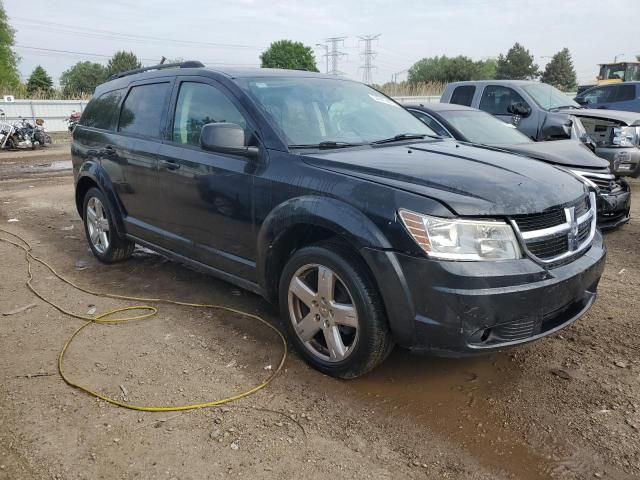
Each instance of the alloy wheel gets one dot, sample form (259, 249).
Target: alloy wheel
(323, 313)
(98, 225)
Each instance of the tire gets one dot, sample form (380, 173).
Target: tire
(352, 311)
(99, 228)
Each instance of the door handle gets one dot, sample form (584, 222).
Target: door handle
(169, 164)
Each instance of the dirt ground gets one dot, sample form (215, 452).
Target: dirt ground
(566, 407)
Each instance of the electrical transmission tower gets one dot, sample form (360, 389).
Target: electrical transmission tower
(334, 54)
(367, 56)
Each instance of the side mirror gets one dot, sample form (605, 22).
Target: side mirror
(226, 138)
(581, 101)
(519, 108)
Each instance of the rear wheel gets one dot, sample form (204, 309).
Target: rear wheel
(103, 240)
(333, 311)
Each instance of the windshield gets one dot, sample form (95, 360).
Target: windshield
(481, 127)
(312, 111)
(548, 97)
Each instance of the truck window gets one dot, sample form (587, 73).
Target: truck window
(599, 95)
(496, 99)
(102, 112)
(463, 95)
(625, 93)
(142, 110)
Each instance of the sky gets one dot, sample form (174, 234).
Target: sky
(234, 33)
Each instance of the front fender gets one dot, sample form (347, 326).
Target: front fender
(358, 231)
(328, 213)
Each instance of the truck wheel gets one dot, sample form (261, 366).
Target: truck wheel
(333, 312)
(105, 243)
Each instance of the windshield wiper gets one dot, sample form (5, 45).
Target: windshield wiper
(564, 106)
(327, 145)
(401, 136)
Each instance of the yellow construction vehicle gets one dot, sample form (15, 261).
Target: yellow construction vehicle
(615, 73)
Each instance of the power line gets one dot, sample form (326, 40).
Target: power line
(53, 52)
(334, 54)
(93, 32)
(367, 56)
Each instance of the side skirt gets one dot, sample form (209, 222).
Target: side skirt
(214, 272)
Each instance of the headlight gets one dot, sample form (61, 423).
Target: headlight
(625, 136)
(453, 239)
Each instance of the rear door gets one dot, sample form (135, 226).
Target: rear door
(626, 98)
(496, 100)
(134, 150)
(207, 199)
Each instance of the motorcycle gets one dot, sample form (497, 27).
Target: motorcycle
(73, 120)
(39, 135)
(22, 133)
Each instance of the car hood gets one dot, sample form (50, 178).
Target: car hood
(565, 153)
(631, 119)
(469, 180)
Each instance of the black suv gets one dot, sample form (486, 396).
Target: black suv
(329, 198)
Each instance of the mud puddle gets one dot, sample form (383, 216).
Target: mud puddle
(453, 397)
(44, 168)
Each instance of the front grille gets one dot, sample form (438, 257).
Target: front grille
(606, 182)
(550, 218)
(560, 233)
(518, 330)
(582, 207)
(538, 221)
(550, 248)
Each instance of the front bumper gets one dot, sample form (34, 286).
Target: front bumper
(624, 161)
(613, 208)
(470, 307)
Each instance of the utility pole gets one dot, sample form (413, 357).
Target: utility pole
(367, 56)
(394, 77)
(334, 54)
(326, 55)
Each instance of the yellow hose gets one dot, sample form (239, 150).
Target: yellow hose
(149, 312)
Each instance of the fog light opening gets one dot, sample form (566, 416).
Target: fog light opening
(485, 334)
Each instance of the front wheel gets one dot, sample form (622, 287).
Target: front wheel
(333, 311)
(103, 240)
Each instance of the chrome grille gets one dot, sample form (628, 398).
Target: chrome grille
(606, 182)
(558, 237)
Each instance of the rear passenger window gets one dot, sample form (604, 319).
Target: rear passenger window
(199, 104)
(496, 99)
(625, 93)
(142, 110)
(463, 95)
(102, 112)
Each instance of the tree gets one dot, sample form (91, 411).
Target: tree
(560, 73)
(121, 62)
(39, 81)
(450, 69)
(289, 54)
(83, 77)
(516, 65)
(9, 76)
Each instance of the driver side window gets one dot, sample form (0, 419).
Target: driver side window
(199, 104)
(496, 99)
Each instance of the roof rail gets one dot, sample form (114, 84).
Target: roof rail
(161, 66)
